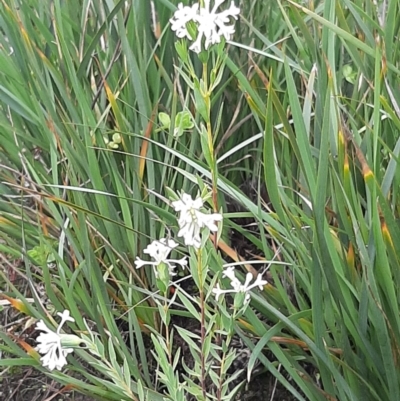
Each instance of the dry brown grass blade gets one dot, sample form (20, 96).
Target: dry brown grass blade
(145, 145)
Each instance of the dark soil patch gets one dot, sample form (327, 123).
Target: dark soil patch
(28, 384)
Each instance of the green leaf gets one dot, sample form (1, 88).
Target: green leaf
(164, 120)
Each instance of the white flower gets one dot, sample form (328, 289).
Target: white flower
(236, 285)
(49, 344)
(159, 251)
(183, 15)
(210, 24)
(192, 220)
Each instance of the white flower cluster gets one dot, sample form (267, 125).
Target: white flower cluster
(192, 220)
(49, 344)
(210, 24)
(237, 286)
(159, 251)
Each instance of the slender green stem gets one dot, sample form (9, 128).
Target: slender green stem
(210, 140)
(202, 324)
(223, 356)
(167, 336)
(214, 183)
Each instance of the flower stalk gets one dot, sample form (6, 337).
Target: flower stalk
(202, 322)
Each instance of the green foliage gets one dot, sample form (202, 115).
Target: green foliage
(101, 117)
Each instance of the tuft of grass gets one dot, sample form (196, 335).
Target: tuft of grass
(307, 111)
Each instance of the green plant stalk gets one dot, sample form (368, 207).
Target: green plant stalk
(214, 172)
(167, 335)
(210, 140)
(214, 184)
(223, 356)
(221, 376)
(202, 324)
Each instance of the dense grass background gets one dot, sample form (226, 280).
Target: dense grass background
(308, 108)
